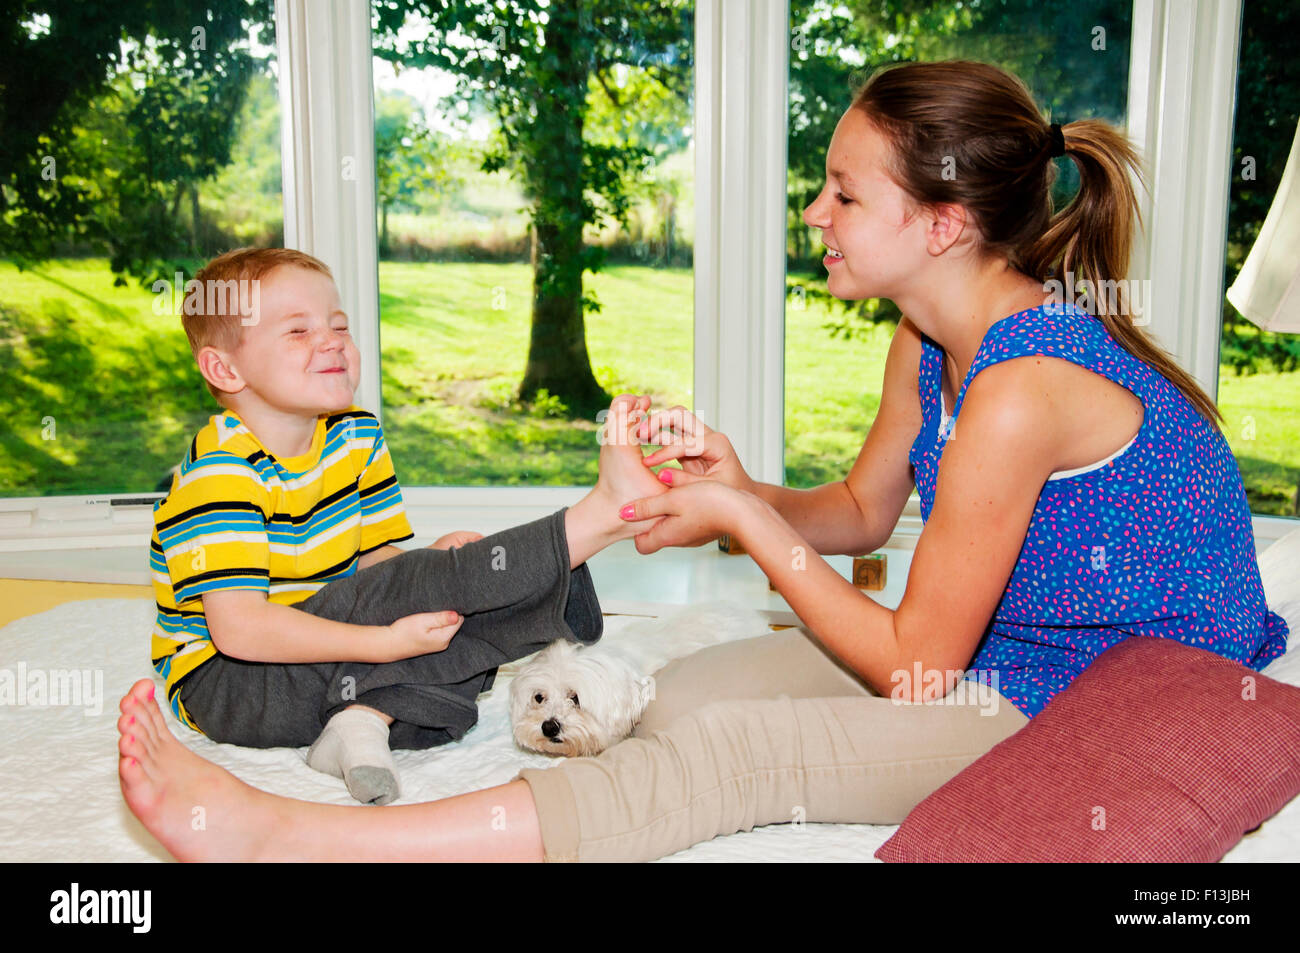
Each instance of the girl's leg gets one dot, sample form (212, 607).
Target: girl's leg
(789, 662)
(726, 767)
(168, 787)
(732, 766)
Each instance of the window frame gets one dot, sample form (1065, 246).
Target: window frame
(1182, 55)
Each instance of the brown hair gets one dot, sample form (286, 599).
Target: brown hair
(222, 327)
(981, 123)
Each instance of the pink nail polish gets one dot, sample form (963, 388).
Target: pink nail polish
(132, 721)
(151, 688)
(627, 512)
(666, 476)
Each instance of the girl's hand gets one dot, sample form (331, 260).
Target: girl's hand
(702, 452)
(692, 515)
(458, 538)
(423, 633)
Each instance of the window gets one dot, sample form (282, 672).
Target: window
(451, 408)
(1259, 380)
(161, 150)
(535, 171)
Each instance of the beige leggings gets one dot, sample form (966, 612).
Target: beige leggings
(761, 731)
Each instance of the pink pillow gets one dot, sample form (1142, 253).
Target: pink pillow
(1156, 752)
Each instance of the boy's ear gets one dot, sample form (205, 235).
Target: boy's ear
(946, 222)
(217, 370)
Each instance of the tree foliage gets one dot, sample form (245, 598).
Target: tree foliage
(114, 115)
(412, 161)
(537, 67)
(115, 119)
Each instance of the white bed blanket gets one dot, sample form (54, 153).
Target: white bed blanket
(59, 795)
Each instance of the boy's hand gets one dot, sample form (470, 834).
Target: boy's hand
(423, 633)
(458, 538)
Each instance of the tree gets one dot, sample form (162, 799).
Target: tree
(411, 160)
(113, 117)
(532, 65)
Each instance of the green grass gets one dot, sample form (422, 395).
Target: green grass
(1262, 425)
(101, 395)
(832, 393)
(454, 350)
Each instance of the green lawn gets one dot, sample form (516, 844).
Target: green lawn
(1262, 424)
(454, 339)
(101, 395)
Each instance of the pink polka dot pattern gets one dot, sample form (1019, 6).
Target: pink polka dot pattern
(1156, 542)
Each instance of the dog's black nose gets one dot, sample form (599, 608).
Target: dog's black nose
(551, 728)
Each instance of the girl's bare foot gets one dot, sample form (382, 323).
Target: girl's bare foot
(200, 812)
(197, 810)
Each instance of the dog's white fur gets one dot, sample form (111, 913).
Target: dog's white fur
(575, 701)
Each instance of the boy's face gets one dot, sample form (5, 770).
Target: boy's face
(298, 356)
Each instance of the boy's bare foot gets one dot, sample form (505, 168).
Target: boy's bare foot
(593, 522)
(623, 477)
(197, 810)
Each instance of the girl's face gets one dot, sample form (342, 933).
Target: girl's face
(865, 217)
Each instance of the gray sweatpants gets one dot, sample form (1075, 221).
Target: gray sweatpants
(515, 591)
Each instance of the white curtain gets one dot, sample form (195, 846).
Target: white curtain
(1267, 290)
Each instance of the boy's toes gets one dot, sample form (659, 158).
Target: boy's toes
(623, 404)
(627, 407)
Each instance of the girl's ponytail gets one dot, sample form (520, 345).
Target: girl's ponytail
(1090, 240)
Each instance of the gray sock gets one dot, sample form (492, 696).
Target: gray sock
(354, 747)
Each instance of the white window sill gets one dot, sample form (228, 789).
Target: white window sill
(74, 540)
(627, 582)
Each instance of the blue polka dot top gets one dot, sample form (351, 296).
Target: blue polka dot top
(1156, 541)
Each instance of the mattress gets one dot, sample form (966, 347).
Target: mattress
(59, 794)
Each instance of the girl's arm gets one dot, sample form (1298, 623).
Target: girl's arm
(854, 516)
(994, 469)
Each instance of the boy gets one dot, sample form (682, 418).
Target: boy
(286, 617)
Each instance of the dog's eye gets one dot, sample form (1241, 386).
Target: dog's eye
(573, 697)
(539, 698)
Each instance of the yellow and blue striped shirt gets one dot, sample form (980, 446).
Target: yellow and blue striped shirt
(237, 517)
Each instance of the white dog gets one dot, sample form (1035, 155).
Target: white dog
(577, 701)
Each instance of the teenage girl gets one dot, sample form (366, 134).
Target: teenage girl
(1086, 497)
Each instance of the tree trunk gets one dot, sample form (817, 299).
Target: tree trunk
(194, 215)
(557, 349)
